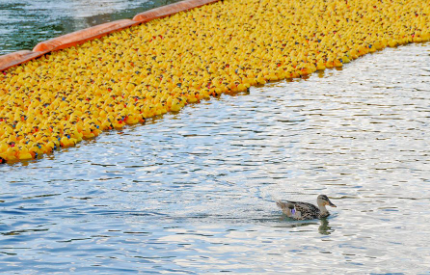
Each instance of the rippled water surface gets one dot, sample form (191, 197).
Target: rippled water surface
(194, 192)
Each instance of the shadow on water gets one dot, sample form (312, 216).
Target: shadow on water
(21, 27)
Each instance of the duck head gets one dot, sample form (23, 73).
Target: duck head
(323, 200)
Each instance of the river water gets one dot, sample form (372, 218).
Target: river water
(194, 192)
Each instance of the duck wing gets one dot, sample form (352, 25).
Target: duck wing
(308, 211)
(289, 210)
(304, 206)
(286, 207)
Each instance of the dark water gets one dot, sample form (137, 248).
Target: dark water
(24, 23)
(193, 192)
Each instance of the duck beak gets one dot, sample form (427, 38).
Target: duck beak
(331, 204)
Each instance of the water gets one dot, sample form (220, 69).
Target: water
(24, 23)
(193, 192)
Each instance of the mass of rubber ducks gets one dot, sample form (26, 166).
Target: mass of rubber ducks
(162, 65)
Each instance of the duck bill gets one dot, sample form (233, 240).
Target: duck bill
(331, 204)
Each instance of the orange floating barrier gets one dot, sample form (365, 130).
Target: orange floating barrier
(81, 36)
(170, 9)
(15, 58)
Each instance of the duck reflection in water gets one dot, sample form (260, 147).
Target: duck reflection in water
(324, 228)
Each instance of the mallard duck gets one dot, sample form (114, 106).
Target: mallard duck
(306, 211)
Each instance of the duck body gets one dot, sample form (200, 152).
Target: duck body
(306, 211)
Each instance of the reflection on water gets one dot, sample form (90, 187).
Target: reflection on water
(194, 192)
(24, 23)
(324, 228)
